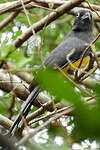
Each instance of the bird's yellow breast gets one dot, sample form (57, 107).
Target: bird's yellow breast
(74, 66)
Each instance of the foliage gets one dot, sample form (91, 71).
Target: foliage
(86, 119)
(85, 122)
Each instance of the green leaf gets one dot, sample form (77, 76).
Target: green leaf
(57, 85)
(20, 59)
(87, 122)
(3, 108)
(18, 33)
(86, 119)
(5, 50)
(55, 130)
(61, 87)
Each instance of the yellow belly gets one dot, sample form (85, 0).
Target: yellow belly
(74, 66)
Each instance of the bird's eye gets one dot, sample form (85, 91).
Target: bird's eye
(77, 15)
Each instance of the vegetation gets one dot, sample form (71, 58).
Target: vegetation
(66, 114)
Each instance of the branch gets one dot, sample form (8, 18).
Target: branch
(11, 5)
(98, 54)
(14, 83)
(59, 113)
(9, 19)
(46, 20)
(22, 92)
(49, 106)
(20, 88)
(95, 7)
(5, 122)
(76, 9)
(22, 73)
(45, 124)
(16, 5)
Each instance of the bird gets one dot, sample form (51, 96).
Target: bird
(70, 49)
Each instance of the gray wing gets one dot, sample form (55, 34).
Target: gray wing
(71, 46)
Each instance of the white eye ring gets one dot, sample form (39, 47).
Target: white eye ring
(77, 14)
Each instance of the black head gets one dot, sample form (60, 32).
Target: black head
(83, 21)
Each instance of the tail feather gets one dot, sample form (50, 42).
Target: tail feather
(25, 109)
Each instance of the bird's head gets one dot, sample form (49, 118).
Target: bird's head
(83, 21)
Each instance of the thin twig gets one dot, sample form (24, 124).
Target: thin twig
(65, 111)
(85, 51)
(93, 9)
(9, 19)
(12, 105)
(16, 5)
(87, 69)
(49, 115)
(22, 1)
(71, 80)
(46, 20)
(24, 139)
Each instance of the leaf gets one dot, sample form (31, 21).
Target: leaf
(18, 33)
(3, 108)
(86, 119)
(87, 122)
(57, 85)
(55, 130)
(61, 87)
(5, 50)
(20, 59)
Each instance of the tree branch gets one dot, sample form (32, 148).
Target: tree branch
(5, 122)
(46, 20)
(60, 113)
(20, 88)
(11, 5)
(22, 92)
(14, 83)
(22, 73)
(16, 5)
(9, 19)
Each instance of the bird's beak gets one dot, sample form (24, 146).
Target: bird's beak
(87, 15)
